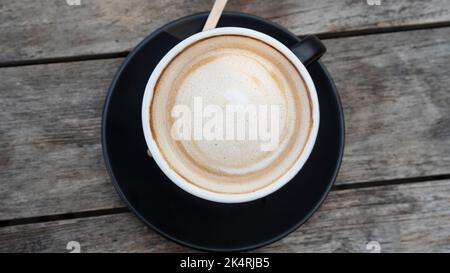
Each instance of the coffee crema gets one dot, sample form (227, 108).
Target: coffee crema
(231, 70)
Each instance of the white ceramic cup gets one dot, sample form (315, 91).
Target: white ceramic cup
(193, 189)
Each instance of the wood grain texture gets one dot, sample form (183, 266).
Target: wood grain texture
(50, 151)
(51, 28)
(402, 218)
(394, 88)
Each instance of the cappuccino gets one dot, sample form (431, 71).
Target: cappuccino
(224, 151)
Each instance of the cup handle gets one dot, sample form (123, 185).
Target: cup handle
(309, 49)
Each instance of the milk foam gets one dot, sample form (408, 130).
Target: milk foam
(231, 70)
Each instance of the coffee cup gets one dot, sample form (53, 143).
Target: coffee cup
(213, 154)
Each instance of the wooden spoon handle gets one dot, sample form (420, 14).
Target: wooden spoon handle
(215, 14)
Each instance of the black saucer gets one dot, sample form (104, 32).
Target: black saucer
(189, 220)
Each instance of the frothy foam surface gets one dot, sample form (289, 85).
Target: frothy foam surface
(231, 70)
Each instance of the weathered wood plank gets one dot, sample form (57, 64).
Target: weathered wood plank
(54, 29)
(50, 151)
(394, 88)
(402, 218)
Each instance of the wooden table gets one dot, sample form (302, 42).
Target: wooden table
(391, 64)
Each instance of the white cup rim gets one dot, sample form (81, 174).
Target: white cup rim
(203, 193)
